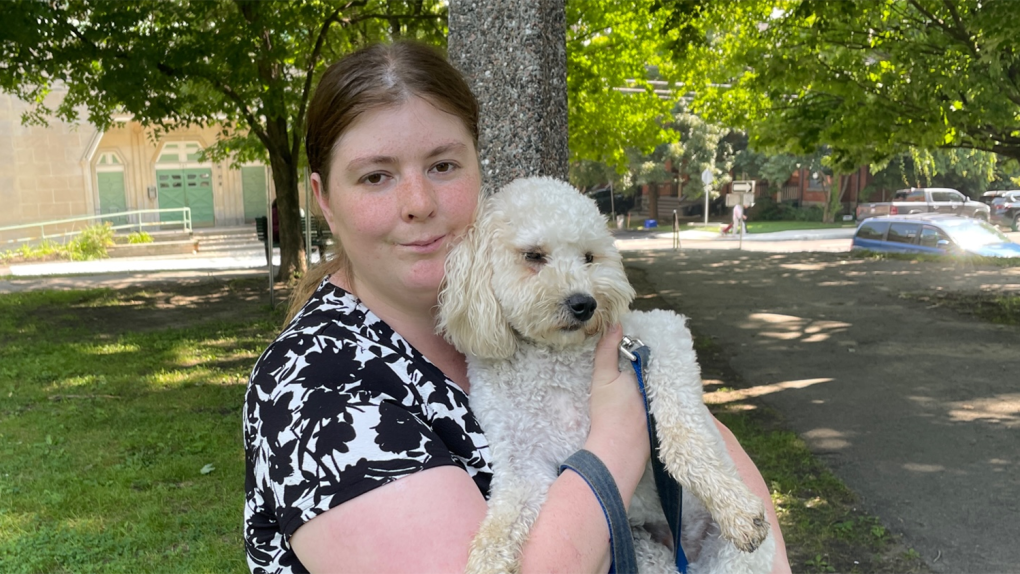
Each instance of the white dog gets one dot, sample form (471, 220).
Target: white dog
(528, 293)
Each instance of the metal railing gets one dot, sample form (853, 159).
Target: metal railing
(184, 222)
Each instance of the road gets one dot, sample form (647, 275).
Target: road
(915, 407)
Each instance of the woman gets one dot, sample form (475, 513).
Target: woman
(362, 453)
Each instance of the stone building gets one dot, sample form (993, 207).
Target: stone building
(66, 171)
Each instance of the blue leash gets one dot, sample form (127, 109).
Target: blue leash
(595, 473)
(670, 494)
(621, 541)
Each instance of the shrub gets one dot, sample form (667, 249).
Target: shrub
(139, 237)
(91, 243)
(28, 252)
(767, 209)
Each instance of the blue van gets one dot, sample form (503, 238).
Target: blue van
(934, 233)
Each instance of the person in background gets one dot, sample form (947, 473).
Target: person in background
(362, 453)
(738, 227)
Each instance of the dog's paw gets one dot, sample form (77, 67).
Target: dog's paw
(745, 528)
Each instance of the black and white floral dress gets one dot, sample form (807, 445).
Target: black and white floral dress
(338, 405)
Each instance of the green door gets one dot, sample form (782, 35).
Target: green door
(111, 195)
(186, 188)
(253, 187)
(170, 186)
(198, 188)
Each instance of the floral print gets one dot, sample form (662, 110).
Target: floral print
(337, 405)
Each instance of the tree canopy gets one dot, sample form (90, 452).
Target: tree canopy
(870, 79)
(245, 66)
(615, 50)
(248, 67)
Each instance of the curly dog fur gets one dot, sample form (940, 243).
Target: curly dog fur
(528, 293)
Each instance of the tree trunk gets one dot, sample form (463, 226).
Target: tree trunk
(513, 54)
(835, 199)
(288, 206)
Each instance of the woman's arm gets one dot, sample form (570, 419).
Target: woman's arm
(753, 479)
(423, 522)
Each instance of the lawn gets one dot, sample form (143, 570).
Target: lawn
(773, 226)
(120, 437)
(753, 226)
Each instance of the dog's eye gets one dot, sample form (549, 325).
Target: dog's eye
(588, 258)
(534, 257)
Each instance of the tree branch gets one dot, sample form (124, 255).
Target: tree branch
(306, 89)
(958, 33)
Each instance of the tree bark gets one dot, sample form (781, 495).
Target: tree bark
(513, 53)
(834, 199)
(288, 206)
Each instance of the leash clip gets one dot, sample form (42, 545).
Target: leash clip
(628, 345)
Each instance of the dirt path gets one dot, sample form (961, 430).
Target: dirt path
(914, 406)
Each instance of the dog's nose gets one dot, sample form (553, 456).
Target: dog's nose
(582, 306)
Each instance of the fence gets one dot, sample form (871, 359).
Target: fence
(184, 222)
(789, 193)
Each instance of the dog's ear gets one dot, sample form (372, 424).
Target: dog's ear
(470, 316)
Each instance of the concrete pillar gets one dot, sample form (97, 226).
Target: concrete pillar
(513, 53)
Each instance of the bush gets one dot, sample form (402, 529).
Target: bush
(28, 253)
(91, 243)
(767, 209)
(139, 237)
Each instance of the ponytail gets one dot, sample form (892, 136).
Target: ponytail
(310, 281)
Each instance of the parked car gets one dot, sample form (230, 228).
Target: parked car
(1006, 210)
(926, 200)
(932, 233)
(620, 203)
(989, 196)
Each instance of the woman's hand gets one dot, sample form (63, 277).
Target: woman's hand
(619, 426)
(571, 534)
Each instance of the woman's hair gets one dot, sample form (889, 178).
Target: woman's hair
(376, 76)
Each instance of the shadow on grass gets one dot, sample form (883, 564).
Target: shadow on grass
(122, 450)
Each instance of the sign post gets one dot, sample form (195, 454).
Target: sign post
(676, 231)
(269, 244)
(707, 178)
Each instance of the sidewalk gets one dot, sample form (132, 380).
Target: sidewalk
(132, 271)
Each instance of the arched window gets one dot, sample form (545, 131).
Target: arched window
(179, 152)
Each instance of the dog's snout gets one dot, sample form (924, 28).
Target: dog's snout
(582, 306)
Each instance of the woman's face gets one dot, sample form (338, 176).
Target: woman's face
(404, 180)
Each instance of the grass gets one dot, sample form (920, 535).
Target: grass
(120, 453)
(752, 226)
(823, 528)
(929, 257)
(1002, 309)
(774, 226)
